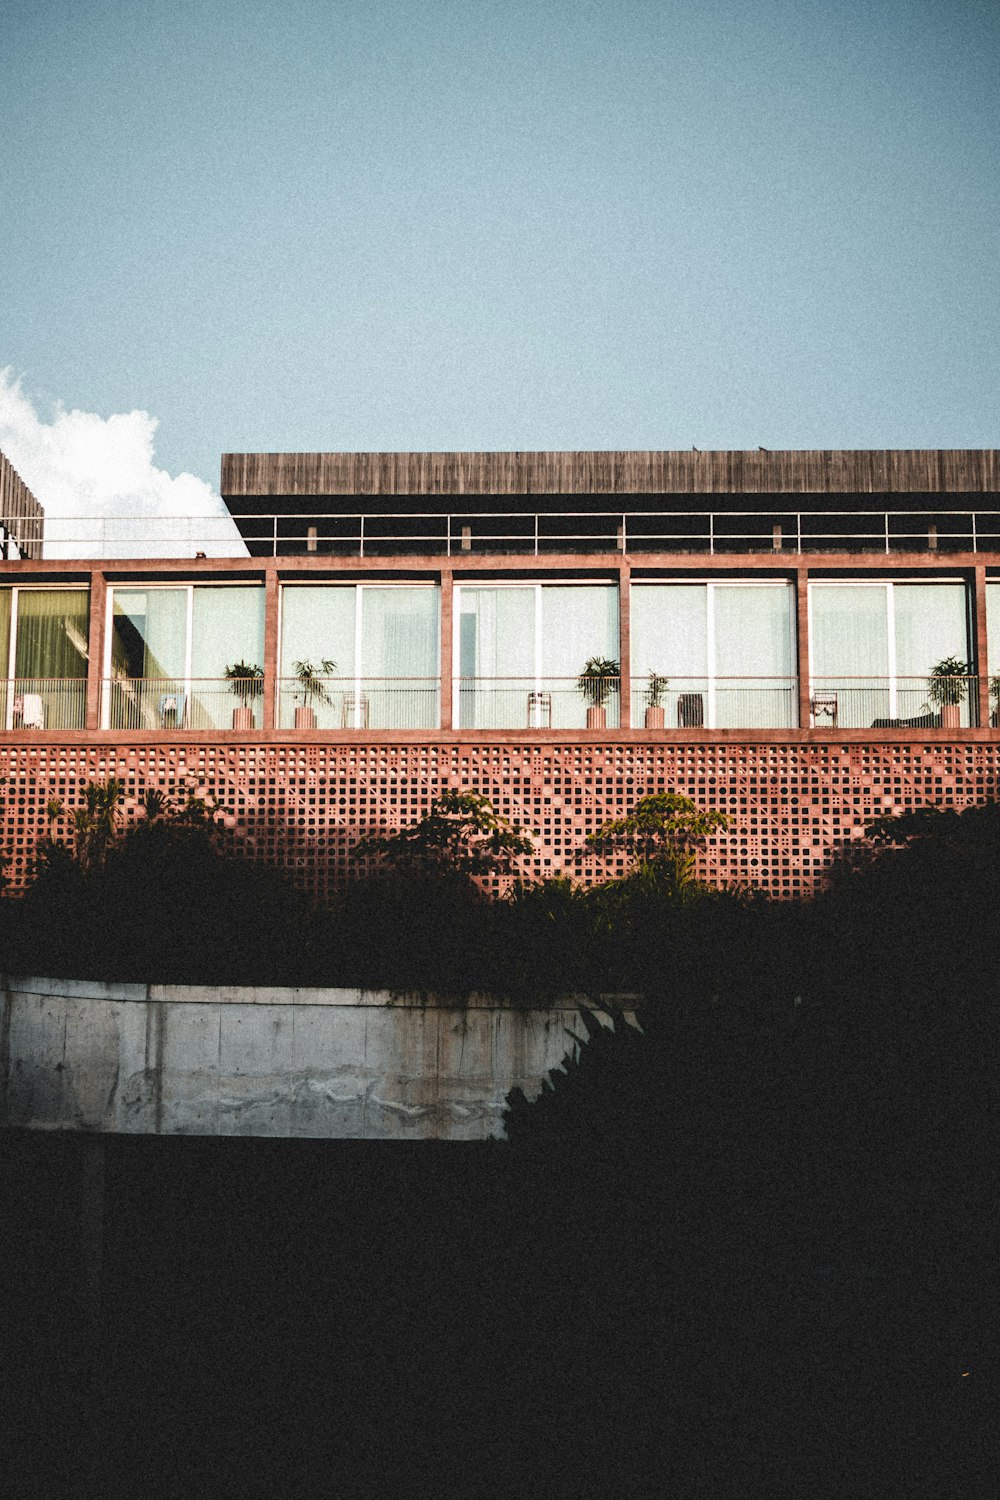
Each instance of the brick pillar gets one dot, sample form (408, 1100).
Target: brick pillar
(802, 643)
(271, 598)
(980, 658)
(95, 647)
(625, 642)
(447, 647)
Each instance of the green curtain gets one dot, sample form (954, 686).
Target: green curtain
(4, 631)
(51, 633)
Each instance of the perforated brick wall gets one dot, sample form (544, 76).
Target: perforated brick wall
(304, 807)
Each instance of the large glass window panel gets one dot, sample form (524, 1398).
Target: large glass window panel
(227, 627)
(874, 647)
(386, 677)
(51, 633)
(496, 657)
(6, 695)
(149, 633)
(754, 656)
(849, 631)
(992, 626)
(578, 623)
(931, 625)
(149, 658)
(318, 624)
(670, 630)
(50, 658)
(849, 648)
(5, 601)
(993, 649)
(400, 657)
(670, 639)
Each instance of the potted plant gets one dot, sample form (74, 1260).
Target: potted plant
(247, 682)
(995, 695)
(946, 688)
(598, 680)
(656, 686)
(311, 689)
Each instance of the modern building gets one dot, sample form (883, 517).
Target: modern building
(805, 640)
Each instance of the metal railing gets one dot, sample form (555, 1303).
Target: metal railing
(43, 702)
(894, 702)
(178, 703)
(537, 702)
(359, 703)
(716, 703)
(381, 703)
(535, 533)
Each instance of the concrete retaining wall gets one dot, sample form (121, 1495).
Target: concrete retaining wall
(218, 1060)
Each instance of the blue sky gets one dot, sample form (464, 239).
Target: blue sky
(394, 224)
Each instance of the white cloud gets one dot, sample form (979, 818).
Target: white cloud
(102, 493)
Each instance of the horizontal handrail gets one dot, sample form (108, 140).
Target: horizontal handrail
(524, 701)
(536, 533)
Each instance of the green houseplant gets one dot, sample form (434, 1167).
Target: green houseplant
(247, 682)
(312, 689)
(946, 688)
(656, 687)
(995, 695)
(598, 680)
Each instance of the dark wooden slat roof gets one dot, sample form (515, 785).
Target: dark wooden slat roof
(924, 471)
(20, 512)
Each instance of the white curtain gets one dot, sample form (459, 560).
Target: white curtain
(669, 631)
(227, 627)
(849, 631)
(496, 656)
(317, 623)
(754, 656)
(931, 624)
(578, 622)
(400, 656)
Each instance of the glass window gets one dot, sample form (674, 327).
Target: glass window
(5, 597)
(383, 644)
(520, 650)
(874, 646)
(43, 648)
(724, 654)
(171, 651)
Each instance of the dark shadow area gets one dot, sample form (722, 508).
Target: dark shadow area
(748, 1249)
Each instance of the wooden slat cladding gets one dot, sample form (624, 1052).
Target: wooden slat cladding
(791, 472)
(20, 512)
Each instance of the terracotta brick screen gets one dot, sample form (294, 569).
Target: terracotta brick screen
(303, 807)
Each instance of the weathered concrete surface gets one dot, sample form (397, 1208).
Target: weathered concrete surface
(219, 1060)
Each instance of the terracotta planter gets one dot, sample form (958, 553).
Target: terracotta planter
(243, 718)
(305, 718)
(951, 716)
(655, 717)
(597, 718)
